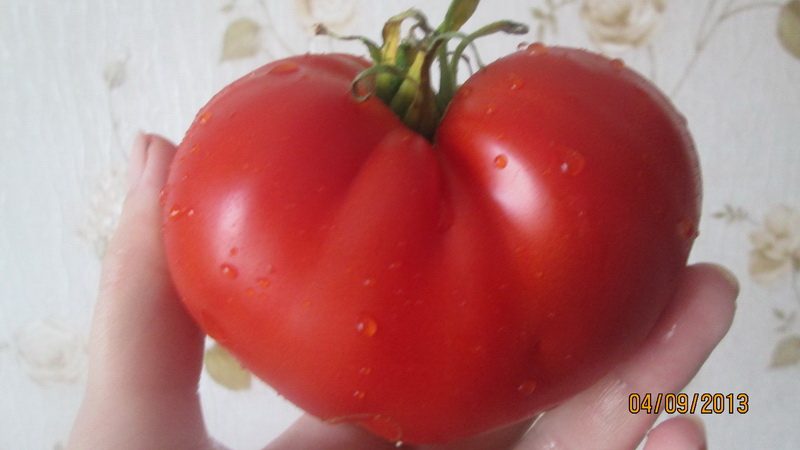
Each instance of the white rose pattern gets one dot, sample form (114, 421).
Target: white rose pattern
(105, 207)
(333, 13)
(618, 25)
(50, 352)
(776, 246)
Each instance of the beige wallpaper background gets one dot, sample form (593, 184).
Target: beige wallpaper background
(78, 79)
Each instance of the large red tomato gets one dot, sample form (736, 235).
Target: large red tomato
(431, 290)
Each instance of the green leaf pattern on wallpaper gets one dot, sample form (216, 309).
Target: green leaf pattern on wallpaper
(241, 39)
(789, 27)
(787, 352)
(226, 370)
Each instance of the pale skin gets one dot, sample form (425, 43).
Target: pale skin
(146, 357)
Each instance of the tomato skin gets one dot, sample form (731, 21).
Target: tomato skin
(432, 291)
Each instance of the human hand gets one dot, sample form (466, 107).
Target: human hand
(146, 357)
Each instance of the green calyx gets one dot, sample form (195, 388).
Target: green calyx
(400, 74)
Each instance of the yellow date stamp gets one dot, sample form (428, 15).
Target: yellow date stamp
(683, 403)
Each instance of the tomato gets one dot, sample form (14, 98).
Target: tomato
(433, 289)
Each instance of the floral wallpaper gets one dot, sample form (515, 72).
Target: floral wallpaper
(676, 43)
(774, 258)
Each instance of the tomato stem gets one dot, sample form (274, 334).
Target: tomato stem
(402, 64)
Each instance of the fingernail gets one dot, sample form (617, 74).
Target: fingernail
(138, 158)
(729, 277)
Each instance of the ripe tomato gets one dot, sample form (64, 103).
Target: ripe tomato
(431, 290)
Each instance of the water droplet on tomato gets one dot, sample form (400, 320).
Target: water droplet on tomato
(359, 394)
(162, 197)
(193, 150)
(687, 229)
(263, 282)
(527, 388)
(617, 64)
(284, 68)
(204, 117)
(385, 426)
(522, 45)
(367, 326)
(489, 110)
(501, 161)
(190, 212)
(573, 163)
(175, 213)
(365, 371)
(537, 48)
(395, 265)
(233, 251)
(516, 82)
(368, 282)
(229, 271)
